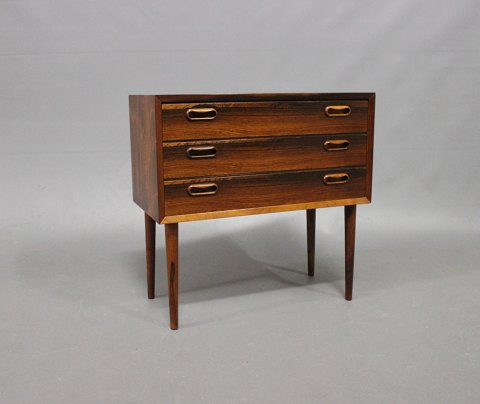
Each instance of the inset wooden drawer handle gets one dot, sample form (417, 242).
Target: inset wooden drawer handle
(201, 114)
(204, 152)
(335, 179)
(338, 110)
(335, 145)
(202, 189)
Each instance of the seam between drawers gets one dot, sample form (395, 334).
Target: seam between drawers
(184, 180)
(252, 139)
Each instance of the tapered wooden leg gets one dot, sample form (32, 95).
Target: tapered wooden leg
(150, 227)
(350, 218)
(311, 241)
(171, 239)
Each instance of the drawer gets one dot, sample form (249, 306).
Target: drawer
(261, 190)
(184, 121)
(262, 154)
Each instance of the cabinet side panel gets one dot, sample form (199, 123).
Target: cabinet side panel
(144, 153)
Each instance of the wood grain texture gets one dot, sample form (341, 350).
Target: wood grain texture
(262, 118)
(350, 220)
(263, 210)
(150, 229)
(159, 155)
(311, 216)
(261, 190)
(263, 154)
(144, 155)
(187, 98)
(370, 131)
(171, 240)
(269, 157)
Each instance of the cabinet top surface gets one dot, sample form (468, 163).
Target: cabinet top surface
(260, 96)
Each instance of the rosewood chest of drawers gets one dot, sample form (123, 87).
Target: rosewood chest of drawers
(198, 157)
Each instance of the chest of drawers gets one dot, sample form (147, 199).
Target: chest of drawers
(198, 157)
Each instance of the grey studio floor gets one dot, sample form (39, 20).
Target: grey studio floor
(76, 325)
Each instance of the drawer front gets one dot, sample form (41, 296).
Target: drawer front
(250, 155)
(262, 190)
(249, 119)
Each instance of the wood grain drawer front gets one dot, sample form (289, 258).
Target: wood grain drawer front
(261, 190)
(262, 118)
(250, 155)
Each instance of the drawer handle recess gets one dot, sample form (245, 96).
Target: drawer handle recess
(336, 145)
(204, 152)
(335, 179)
(202, 189)
(201, 114)
(338, 110)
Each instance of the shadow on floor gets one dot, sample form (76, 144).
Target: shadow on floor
(219, 267)
(101, 264)
(100, 269)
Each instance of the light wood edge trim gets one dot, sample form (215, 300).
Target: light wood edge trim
(260, 210)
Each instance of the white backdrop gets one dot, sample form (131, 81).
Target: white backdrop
(67, 219)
